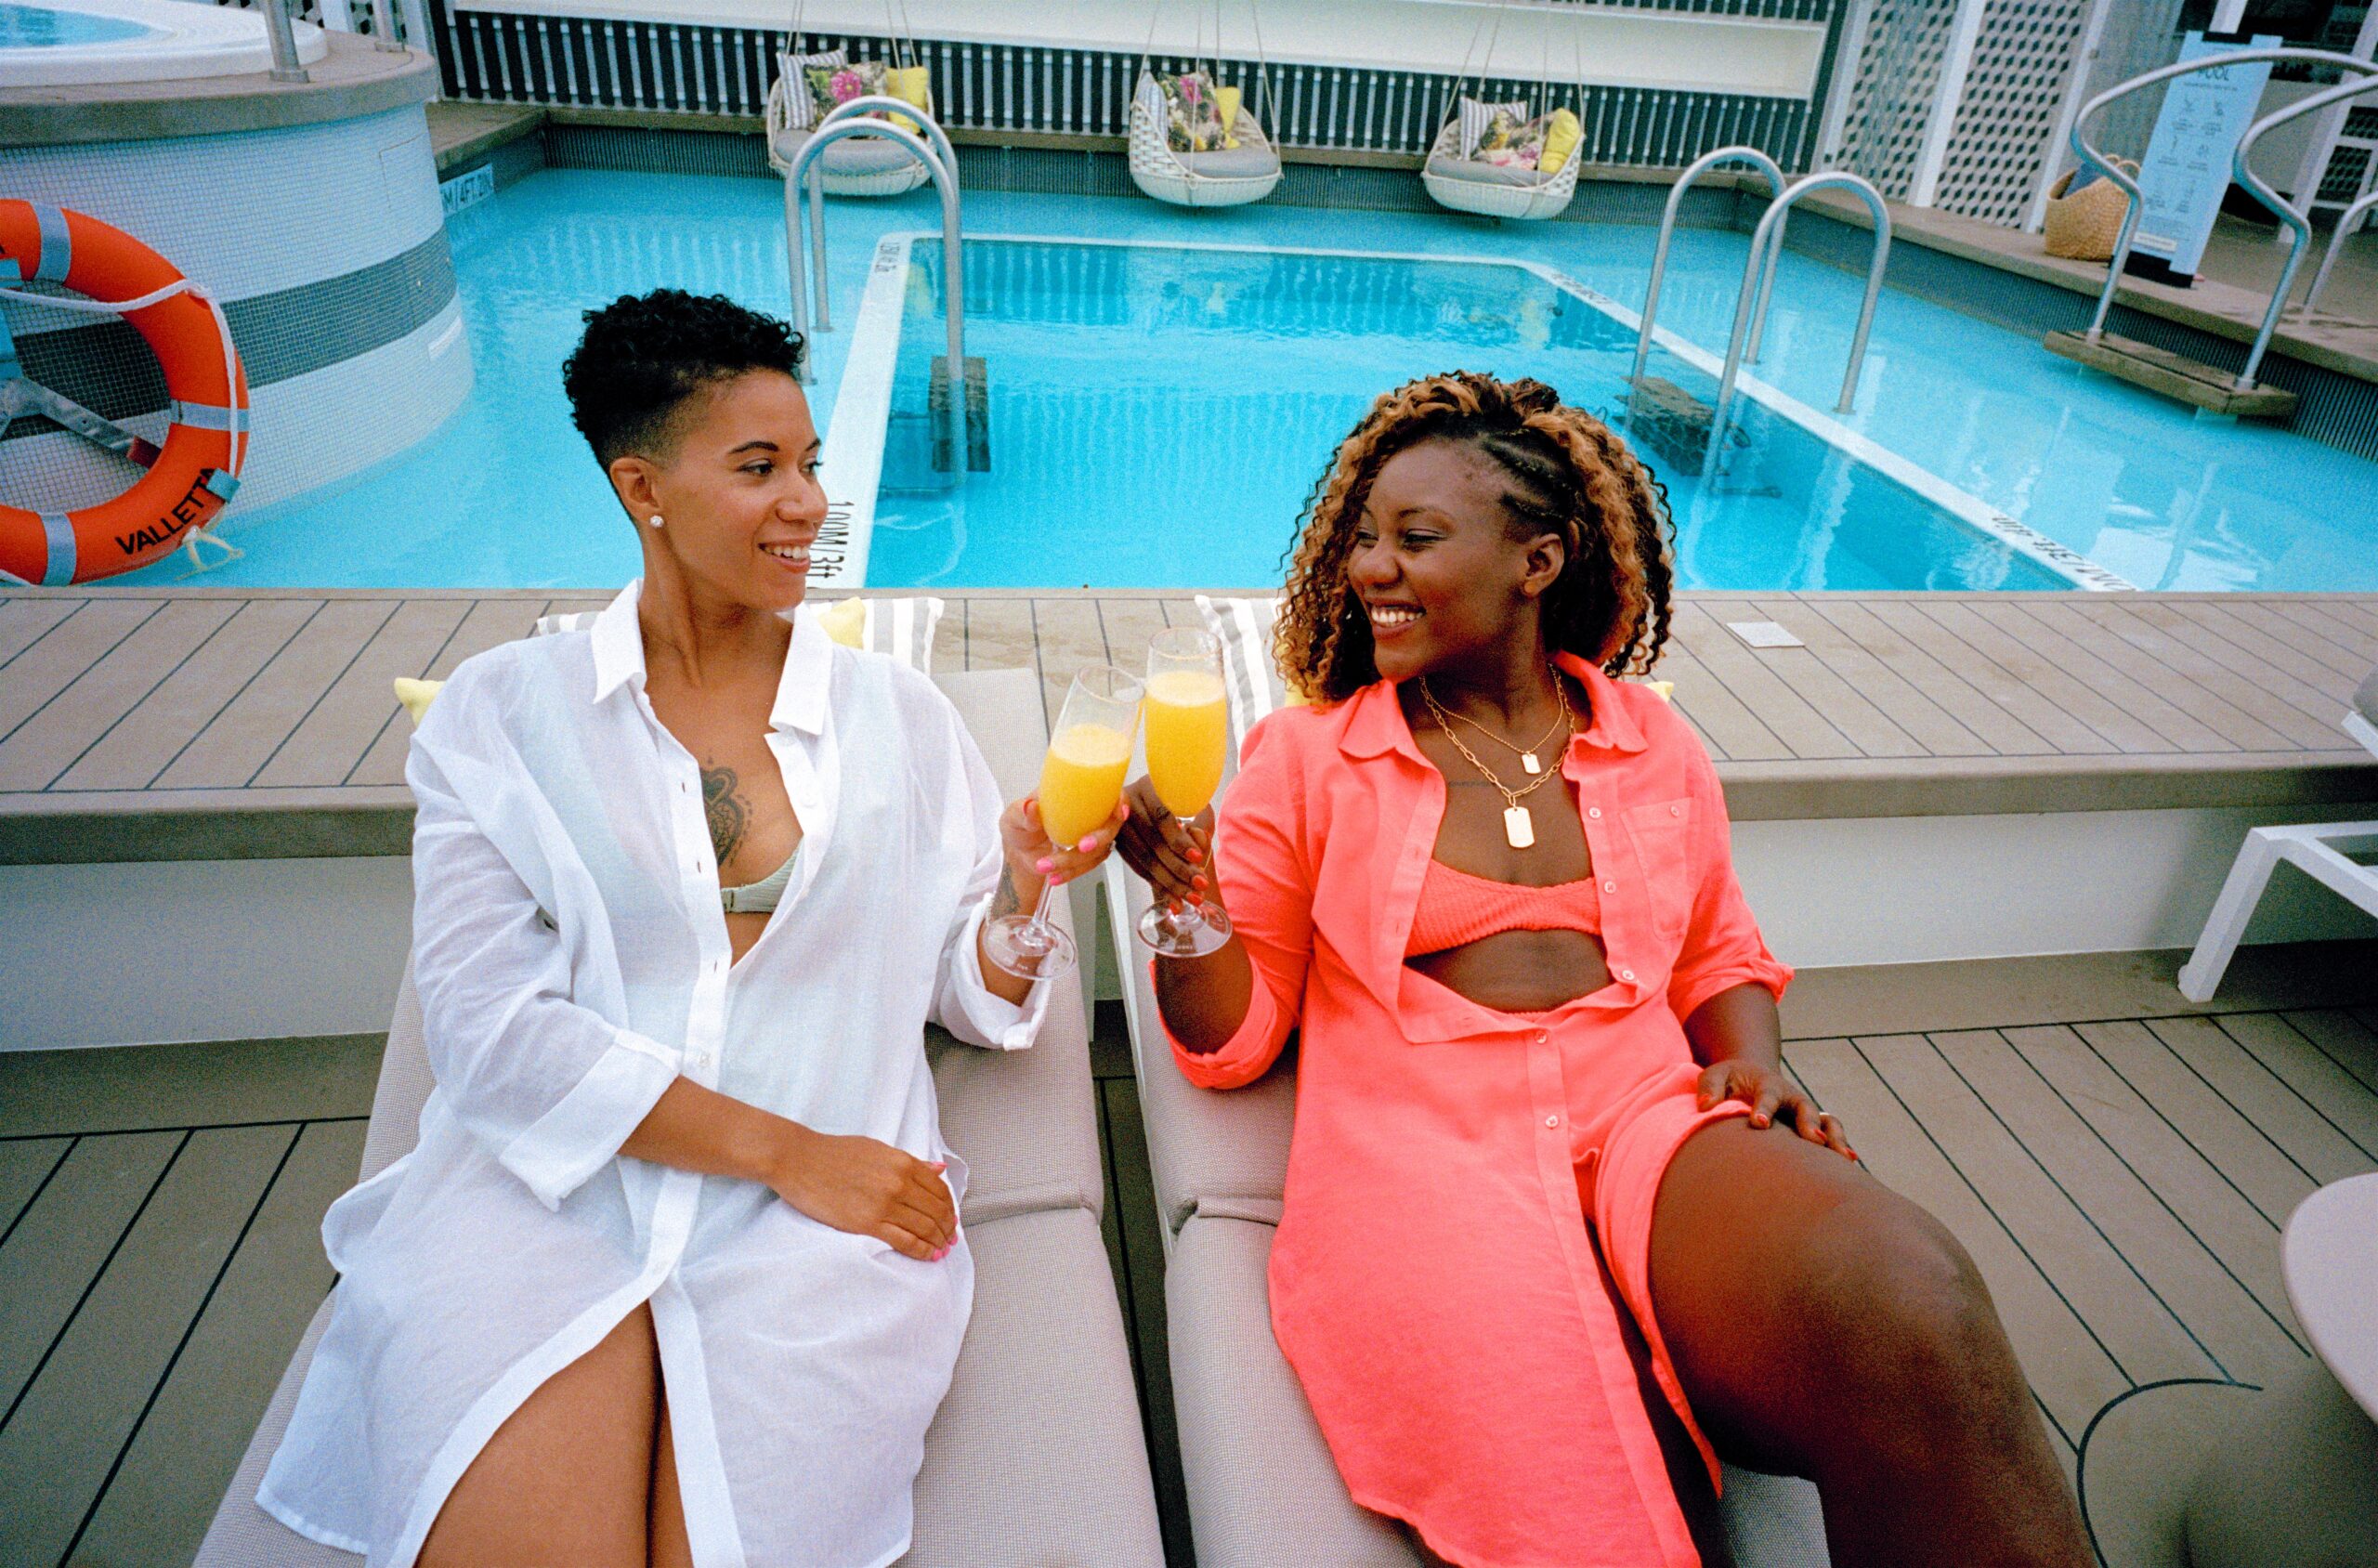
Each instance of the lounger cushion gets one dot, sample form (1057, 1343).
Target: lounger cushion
(1477, 172)
(1263, 1488)
(1239, 163)
(2365, 701)
(1208, 1152)
(1036, 1455)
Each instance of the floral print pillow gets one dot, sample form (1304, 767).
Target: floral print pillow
(832, 85)
(1192, 123)
(1511, 142)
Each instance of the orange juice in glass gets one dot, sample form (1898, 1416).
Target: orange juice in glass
(1187, 720)
(1081, 777)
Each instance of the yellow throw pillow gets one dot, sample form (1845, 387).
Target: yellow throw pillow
(416, 695)
(909, 84)
(1226, 105)
(845, 623)
(1560, 140)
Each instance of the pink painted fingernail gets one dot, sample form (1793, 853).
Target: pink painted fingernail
(1044, 864)
(1088, 843)
(940, 1165)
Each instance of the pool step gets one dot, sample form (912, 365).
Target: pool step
(1672, 423)
(2159, 369)
(978, 415)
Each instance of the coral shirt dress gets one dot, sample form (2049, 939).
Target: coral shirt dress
(573, 962)
(1454, 1169)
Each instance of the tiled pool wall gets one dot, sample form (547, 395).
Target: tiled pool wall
(2337, 410)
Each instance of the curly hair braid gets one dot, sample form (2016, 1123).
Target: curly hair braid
(1568, 475)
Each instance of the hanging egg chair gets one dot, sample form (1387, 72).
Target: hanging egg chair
(854, 165)
(1482, 161)
(1195, 143)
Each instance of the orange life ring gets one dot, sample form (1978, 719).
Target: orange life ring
(194, 474)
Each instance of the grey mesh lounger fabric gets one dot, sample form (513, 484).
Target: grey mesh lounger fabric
(1262, 1489)
(1036, 1457)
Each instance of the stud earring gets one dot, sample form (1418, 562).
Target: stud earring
(656, 519)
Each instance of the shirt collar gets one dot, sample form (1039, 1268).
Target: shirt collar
(1374, 723)
(800, 691)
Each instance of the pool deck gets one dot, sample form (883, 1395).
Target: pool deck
(202, 724)
(2118, 1162)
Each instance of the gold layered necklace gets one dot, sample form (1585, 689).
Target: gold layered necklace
(1519, 827)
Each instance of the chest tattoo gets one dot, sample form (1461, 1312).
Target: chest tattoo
(729, 818)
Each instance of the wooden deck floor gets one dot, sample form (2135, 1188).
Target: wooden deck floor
(2118, 1163)
(172, 706)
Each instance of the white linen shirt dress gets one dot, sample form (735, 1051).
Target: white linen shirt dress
(572, 961)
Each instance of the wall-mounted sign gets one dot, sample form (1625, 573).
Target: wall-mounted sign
(2186, 171)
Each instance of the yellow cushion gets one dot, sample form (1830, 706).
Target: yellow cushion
(416, 695)
(1226, 105)
(1665, 688)
(1560, 140)
(909, 84)
(845, 623)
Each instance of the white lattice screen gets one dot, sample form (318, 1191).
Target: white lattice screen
(2015, 81)
(2021, 63)
(1897, 75)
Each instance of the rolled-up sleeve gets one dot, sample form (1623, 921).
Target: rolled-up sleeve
(1267, 889)
(550, 1087)
(1722, 946)
(964, 1002)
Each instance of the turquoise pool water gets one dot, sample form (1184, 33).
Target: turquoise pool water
(504, 495)
(41, 27)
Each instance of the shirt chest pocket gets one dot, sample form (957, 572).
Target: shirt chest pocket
(1661, 834)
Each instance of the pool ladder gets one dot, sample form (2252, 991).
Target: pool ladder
(958, 389)
(1757, 291)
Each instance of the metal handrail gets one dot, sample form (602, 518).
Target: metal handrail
(944, 178)
(1700, 166)
(851, 110)
(286, 66)
(2336, 241)
(1749, 318)
(2128, 185)
(2298, 223)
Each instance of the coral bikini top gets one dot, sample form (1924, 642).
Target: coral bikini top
(1456, 907)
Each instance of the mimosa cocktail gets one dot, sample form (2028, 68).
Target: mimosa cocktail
(1082, 780)
(1188, 731)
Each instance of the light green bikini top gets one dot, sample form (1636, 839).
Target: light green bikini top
(760, 898)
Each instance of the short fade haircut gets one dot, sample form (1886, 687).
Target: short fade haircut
(643, 355)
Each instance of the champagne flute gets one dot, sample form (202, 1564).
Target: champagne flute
(1081, 779)
(1188, 736)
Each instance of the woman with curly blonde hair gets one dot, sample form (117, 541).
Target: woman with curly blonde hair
(1544, 1255)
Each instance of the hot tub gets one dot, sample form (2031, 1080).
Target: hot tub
(76, 43)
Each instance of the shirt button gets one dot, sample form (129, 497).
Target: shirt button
(1593, 811)
(1627, 974)
(1676, 811)
(1542, 1038)
(701, 1058)
(1610, 887)
(1551, 1121)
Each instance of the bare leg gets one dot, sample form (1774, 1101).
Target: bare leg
(1824, 1327)
(670, 1547)
(567, 1481)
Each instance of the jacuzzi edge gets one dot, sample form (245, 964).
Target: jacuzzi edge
(867, 381)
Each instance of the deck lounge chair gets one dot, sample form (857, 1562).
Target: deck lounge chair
(2320, 850)
(1037, 1455)
(1262, 1489)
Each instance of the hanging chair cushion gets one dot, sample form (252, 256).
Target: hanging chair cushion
(832, 85)
(1479, 121)
(852, 155)
(1476, 173)
(1240, 163)
(1193, 120)
(799, 105)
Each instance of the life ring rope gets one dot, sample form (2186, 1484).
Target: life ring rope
(55, 262)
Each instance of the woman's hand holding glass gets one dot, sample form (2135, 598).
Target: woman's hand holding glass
(1175, 857)
(1068, 825)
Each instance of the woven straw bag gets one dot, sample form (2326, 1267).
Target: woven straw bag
(2085, 226)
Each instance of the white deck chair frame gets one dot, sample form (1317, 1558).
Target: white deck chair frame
(2318, 849)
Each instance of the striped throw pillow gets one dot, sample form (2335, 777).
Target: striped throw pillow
(800, 109)
(1244, 628)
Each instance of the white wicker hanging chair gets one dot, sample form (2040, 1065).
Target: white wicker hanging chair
(1226, 178)
(1468, 185)
(1490, 190)
(855, 165)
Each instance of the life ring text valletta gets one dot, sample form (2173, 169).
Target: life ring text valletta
(192, 476)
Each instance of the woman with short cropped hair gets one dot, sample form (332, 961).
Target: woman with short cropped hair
(675, 1274)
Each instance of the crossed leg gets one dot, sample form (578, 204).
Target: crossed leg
(1823, 1326)
(582, 1475)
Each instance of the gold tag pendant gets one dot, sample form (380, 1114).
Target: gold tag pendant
(1519, 827)
(1527, 760)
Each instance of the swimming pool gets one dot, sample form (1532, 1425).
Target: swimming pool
(66, 43)
(504, 495)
